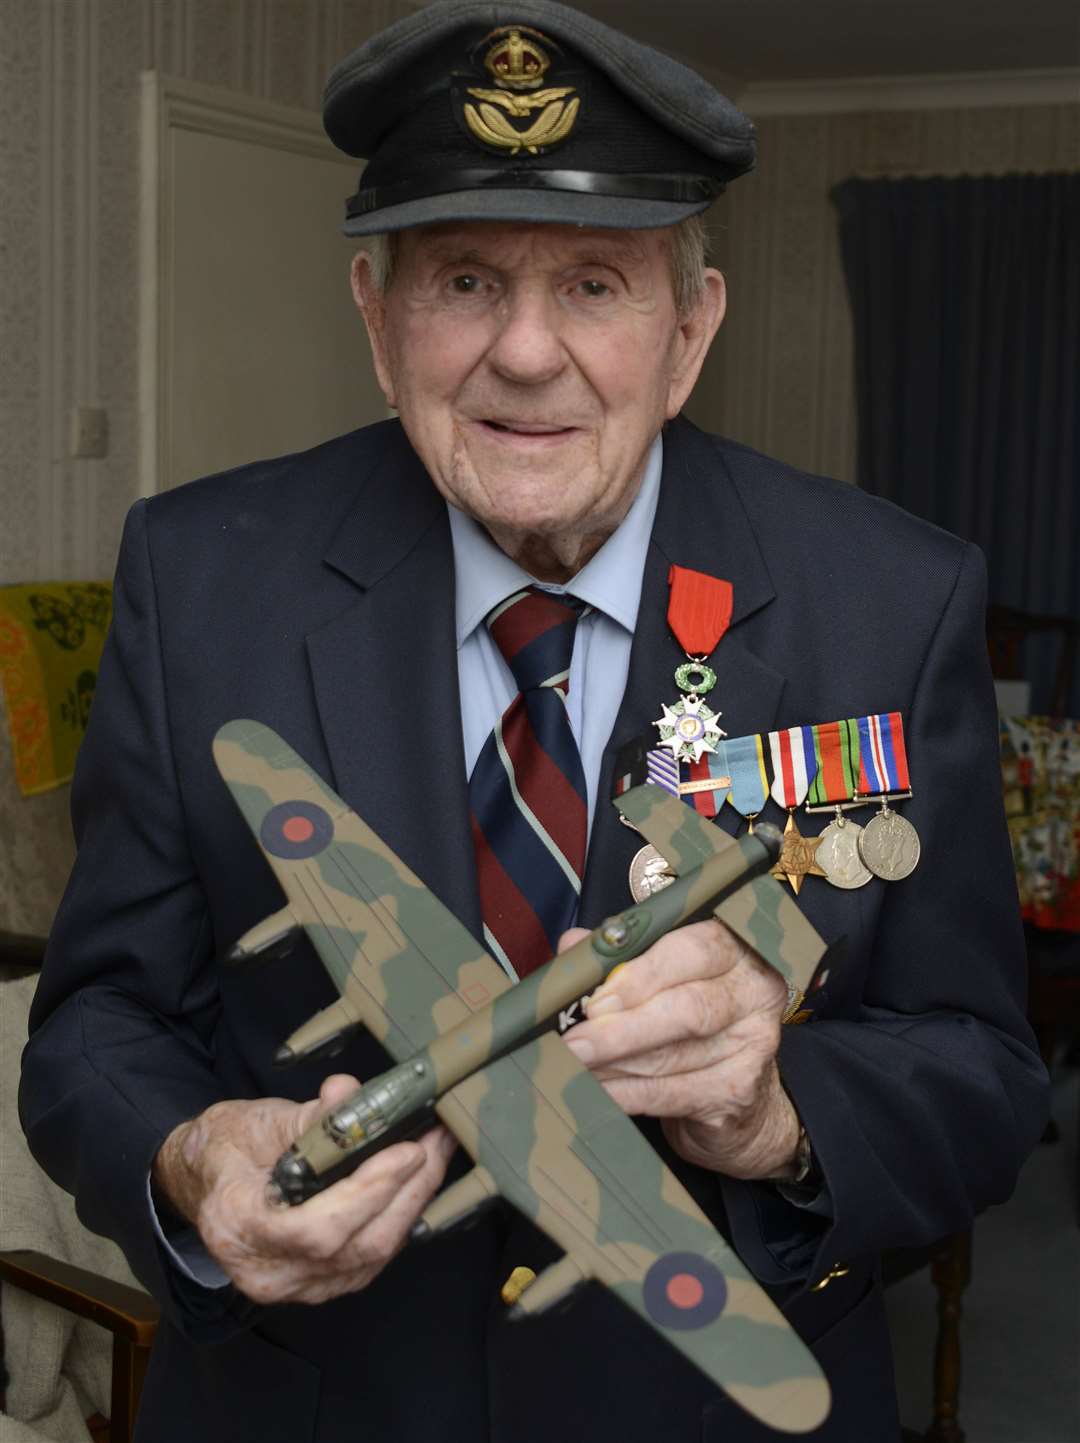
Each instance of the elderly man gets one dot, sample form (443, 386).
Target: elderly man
(539, 309)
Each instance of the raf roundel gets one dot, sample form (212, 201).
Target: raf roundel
(684, 1291)
(295, 830)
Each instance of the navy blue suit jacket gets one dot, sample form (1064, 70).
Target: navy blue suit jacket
(315, 593)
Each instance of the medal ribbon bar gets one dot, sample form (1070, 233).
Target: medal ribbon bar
(699, 609)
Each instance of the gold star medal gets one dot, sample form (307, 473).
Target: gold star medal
(798, 857)
(794, 766)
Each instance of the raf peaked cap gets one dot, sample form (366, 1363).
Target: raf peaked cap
(527, 112)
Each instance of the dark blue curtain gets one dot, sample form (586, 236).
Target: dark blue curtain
(966, 299)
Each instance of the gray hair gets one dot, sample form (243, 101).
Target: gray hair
(688, 243)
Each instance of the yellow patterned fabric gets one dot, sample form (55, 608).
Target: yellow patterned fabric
(1040, 759)
(51, 637)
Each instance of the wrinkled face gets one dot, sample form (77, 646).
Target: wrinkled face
(532, 366)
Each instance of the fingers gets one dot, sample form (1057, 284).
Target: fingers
(681, 1006)
(337, 1241)
(678, 1030)
(689, 954)
(387, 1234)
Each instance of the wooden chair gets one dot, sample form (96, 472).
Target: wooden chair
(949, 1261)
(129, 1314)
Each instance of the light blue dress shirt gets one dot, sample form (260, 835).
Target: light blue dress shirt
(610, 583)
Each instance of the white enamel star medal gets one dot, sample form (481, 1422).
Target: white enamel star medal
(689, 728)
(699, 612)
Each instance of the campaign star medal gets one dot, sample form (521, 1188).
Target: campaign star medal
(517, 64)
(794, 767)
(699, 613)
(798, 857)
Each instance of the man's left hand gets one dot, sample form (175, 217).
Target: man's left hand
(688, 1032)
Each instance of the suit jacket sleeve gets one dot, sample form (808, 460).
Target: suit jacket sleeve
(922, 1104)
(122, 1028)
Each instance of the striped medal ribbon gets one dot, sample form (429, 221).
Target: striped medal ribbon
(527, 791)
(837, 747)
(795, 767)
(889, 845)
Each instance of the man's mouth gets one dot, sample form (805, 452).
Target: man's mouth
(513, 428)
(529, 427)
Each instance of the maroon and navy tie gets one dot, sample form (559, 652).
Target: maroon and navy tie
(527, 791)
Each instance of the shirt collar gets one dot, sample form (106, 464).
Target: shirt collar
(610, 581)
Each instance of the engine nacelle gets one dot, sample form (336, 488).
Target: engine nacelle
(456, 1204)
(554, 1285)
(274, 936)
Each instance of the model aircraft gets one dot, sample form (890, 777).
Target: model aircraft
(477, 1052)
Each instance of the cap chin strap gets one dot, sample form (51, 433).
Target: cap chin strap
(685, 189)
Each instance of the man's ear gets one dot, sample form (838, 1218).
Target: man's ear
(371, 303)
(694, 337)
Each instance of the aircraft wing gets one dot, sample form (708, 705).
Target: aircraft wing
(763, 913)
(405, 966)
(553, 1143)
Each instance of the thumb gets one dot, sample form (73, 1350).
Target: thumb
(334, 1090)
(569, 937)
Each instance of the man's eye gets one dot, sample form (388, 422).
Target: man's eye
(466, 285)
(594, 290)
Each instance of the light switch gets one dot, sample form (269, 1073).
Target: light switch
(89, 432)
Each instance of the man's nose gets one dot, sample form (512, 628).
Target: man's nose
(528, 347)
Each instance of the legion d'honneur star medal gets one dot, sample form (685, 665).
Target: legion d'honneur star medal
(699, 613)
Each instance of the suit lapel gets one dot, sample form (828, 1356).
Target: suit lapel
(385, 678)
(700, 523)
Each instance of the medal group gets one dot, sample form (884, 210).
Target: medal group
(825, 767)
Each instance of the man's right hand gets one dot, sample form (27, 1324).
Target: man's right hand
(215, 1171)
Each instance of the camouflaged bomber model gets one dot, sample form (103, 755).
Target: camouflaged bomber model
(477, 1051)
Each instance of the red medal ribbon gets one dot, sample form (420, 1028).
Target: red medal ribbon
(699, 609)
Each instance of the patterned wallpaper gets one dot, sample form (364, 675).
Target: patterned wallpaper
(780, 375)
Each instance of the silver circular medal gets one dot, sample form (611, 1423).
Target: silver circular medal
(890, 846)
(838, 855)
(648, 874)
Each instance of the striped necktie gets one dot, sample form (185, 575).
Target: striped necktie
(527, 791)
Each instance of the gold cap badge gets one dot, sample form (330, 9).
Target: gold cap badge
(518, 64)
